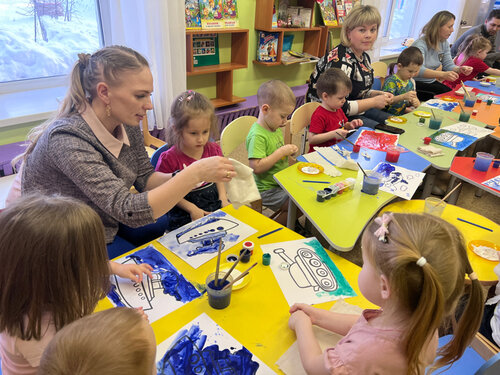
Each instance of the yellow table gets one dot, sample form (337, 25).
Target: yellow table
(483, 267)
(258, 314)
(340, 219)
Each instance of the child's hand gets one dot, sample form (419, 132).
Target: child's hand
(297, 318)
(133, 272)
(356, 123)
(464, 69)
(288, 150)
(225, 202)
(415, 102)
(197, 213)
(340, 133)
(309, 310)
(143, 314)
(411, 95)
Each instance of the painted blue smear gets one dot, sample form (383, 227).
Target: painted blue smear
(448, 106)
(493, 183)
(188, 355)
(451, 139)
(207, 246)
(344, 289)
(172, 280)
(114, 296)
(385, 169)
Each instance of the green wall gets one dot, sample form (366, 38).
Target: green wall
(15, 133)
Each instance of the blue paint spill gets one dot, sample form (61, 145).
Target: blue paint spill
(172, 281)
(188, 355)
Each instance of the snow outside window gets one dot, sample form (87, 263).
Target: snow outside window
(40, 40)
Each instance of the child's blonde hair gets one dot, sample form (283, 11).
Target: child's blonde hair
(54, 261)
(472, 44)
(360, 15)
(188, 105)
(431, 28)
(429, 292)
(275, 93)
(111, 342)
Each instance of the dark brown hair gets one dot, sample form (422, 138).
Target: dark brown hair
(111, 342)
(331, 80)
(54, 261)
(188, 105)
(430, 293)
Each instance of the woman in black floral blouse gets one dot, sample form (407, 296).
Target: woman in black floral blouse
(359, 32)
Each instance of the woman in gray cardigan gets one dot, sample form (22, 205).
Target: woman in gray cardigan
(93, 150)
(436, 50)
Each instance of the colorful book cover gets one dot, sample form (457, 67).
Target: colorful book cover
(211, 13)
(327, 8)
(343, 8)
(193, 20)
(231, 13)
(205, 50)
(267, 47)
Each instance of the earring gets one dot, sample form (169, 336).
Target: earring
(108, 110)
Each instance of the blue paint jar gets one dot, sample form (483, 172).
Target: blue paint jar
(218, 297)
(246, 255)
(371, 183)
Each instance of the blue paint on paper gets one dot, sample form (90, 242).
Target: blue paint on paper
(172, 280)
(385, 169)
(493, 183)
(115, 297)
(454, 140)
(391, 177)
(188, 355)
(445, 106)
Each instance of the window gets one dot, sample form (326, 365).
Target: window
(397, 25)
(40, 40)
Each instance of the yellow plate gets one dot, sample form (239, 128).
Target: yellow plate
(397, 119)
(488, 254)
(235, 273)
(449, 99)
(422, 114)
(309, 168)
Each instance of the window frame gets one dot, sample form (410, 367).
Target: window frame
(41, 83)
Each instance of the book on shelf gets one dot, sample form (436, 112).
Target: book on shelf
(327, 9)
(305, 17)
(205, 50)
(231, 13)
(291, 57)
(192, 15)
(267, 47)
(211, 14)
(343, 8)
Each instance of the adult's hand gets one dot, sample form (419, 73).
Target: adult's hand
(213, 169)
(449, 75)
(380, 101)
(464, 69)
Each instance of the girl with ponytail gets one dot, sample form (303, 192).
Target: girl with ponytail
(414, 268)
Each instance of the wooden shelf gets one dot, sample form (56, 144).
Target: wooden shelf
(215, 68)
(314, 37)
(218, 102)
(224, 71)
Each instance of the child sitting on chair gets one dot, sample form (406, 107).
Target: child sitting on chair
(267, 153)
(192, 121)
(414, 268)
(402, 84)
(329, 124)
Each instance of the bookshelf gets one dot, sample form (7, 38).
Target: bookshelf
(314, 36)
(223, 71)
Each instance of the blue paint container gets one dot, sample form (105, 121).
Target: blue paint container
(246, 257)
(371, 183)
(218, 297)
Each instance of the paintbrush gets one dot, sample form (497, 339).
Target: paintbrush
(462, 108)
(362, 170)
(233, 266)
(345, 139)
(450, 193)
(433, 114)
(241, 276)
(465, 90)
(216, 279)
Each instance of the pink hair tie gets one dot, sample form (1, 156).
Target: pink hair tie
(383, 230)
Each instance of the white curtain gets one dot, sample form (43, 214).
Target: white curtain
(155, 28)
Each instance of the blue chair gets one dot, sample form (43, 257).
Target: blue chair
(157, 153)
(377, 83)
(479, 358)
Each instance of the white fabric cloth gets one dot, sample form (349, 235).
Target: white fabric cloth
(155, 28)
(242, 189)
